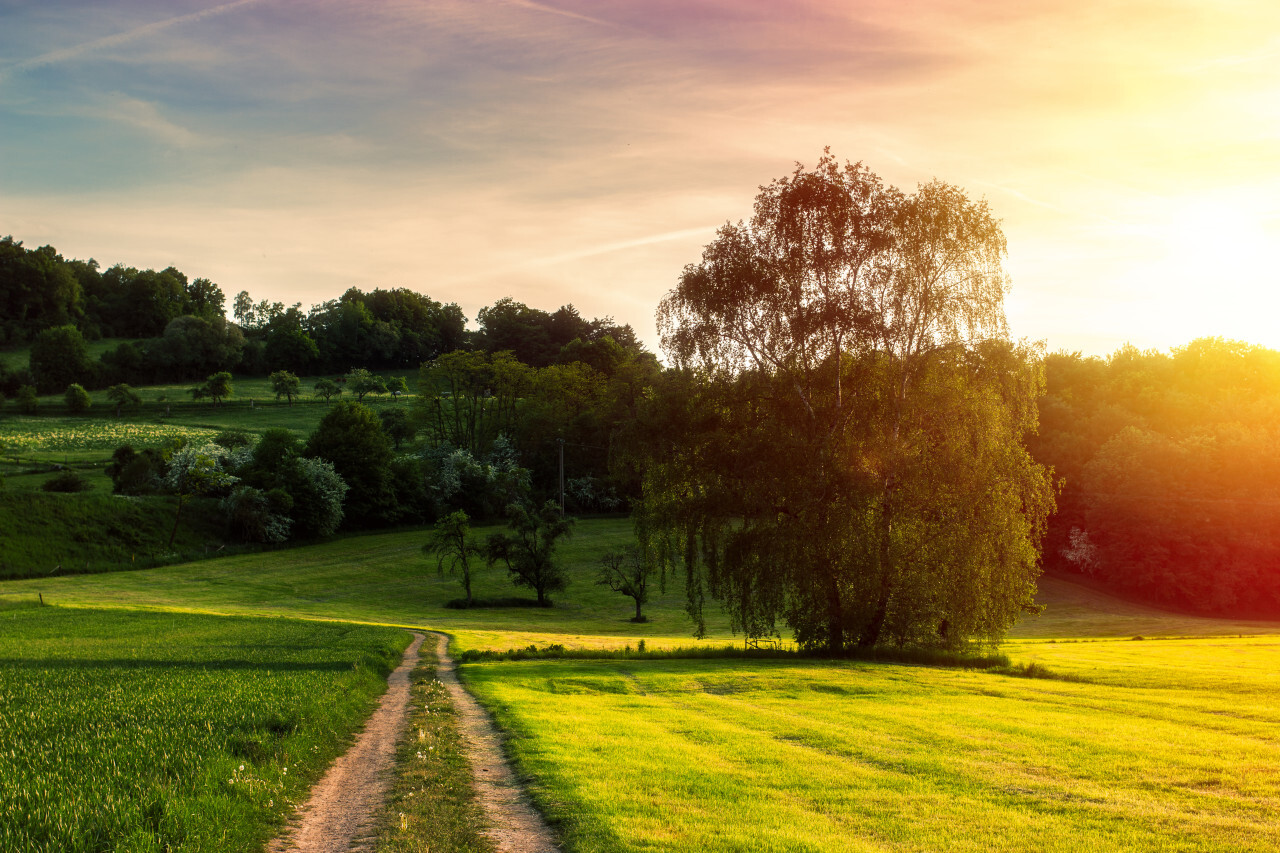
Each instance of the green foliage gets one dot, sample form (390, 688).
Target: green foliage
(361, 382)
(398, 426)
(38, 291)
(196, 470)
(328, 389)
(350, 436)
(626, 573)
(185, 732)
(843, 451)
(123, 395)
(67, 481)
(134, 473)
(450, 543)
(286, 385)
(396, 386)
(27, 400)
(1169, 469)
(528, 549)
(217, 388)
(59, 357)
(468, 399)
(257, 516)
(77, 399)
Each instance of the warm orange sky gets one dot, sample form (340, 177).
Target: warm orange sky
(585, 151)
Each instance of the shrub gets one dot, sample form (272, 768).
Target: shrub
(67, 481)
(77, 399)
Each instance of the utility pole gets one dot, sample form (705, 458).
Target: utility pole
(561, 477)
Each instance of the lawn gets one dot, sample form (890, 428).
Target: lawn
(791, 756)
(131, 731)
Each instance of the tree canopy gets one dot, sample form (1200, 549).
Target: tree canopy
(841, 450)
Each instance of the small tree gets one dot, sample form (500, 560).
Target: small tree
(362, 382)
(624, 572)
(196, 471)
(216, 388)
(448, 542)
(286, 385)
(397, 425)
(123, 395)
(528, 551)
(396, 386)
(77, 399)
(328, 389)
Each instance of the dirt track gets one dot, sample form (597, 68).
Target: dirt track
(514, 825)
(338, 817)
(339, 814)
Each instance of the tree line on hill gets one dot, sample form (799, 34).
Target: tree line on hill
(178, 330)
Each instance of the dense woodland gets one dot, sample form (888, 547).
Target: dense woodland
(1164, 466)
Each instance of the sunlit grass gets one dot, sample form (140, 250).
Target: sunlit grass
(772, 755)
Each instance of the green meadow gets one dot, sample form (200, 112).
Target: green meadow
(1168, 742)
(135, 731)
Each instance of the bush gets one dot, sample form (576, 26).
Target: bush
(27, 401)
(77, 399)
(67, 481)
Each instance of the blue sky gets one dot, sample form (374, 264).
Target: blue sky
(584, 152)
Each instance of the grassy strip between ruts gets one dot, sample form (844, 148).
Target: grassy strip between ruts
(432, 805)
(143, 731)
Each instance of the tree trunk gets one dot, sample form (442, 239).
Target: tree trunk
(176, 518)
(835, 617)
(638, 618)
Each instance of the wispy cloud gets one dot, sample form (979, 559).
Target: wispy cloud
(67, 54)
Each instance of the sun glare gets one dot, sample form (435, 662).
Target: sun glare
(1211, 272)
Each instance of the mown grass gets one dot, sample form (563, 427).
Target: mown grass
(384, 578)
(159, 731)
(783, 755)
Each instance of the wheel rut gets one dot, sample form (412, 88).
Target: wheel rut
(339, 815)
(514, 825)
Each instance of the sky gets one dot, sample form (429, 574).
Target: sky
(584, 152)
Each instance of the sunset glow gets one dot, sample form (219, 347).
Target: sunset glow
(585, 152)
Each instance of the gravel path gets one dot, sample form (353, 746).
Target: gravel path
(338, 816)
(514, 825)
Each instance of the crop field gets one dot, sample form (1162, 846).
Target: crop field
(82, 438)
(132, 731)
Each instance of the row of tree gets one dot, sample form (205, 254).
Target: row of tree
(1170, 471)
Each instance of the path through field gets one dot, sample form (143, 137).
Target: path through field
(514, 825)
(339, 815)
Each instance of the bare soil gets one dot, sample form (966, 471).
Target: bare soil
(339, 815)
(514, 825)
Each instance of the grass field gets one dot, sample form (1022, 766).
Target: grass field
(129, 731)
(1165, 743)
(779, 755)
